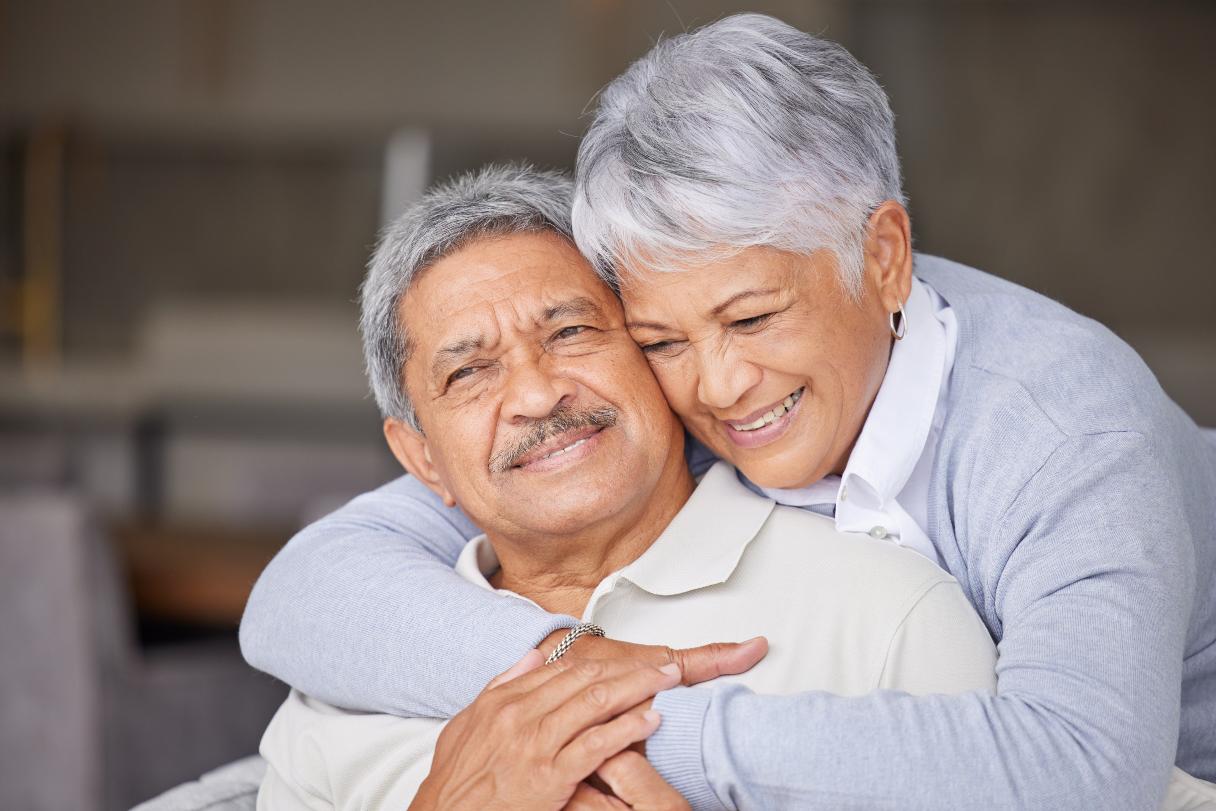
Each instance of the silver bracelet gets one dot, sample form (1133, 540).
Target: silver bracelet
(582, 629)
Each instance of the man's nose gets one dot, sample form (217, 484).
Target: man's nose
(723, 377)
(532, 392)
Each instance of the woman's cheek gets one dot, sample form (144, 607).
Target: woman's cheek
(670, 382)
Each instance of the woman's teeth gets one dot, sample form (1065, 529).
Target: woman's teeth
(566, 449)
(777, 413)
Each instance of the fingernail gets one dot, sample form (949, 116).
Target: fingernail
(651, 716)
(671, 669)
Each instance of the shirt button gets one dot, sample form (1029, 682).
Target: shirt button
(878, 532)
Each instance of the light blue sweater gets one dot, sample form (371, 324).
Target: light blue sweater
(1074, 502)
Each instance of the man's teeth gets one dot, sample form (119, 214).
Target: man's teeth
(566, 449)
(770, 417)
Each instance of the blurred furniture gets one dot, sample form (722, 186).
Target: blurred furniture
(231, 788)
(88, 721)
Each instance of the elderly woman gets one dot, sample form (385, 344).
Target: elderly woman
(740, 187)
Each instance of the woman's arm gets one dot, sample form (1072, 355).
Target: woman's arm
(363, 610)
(1093, 595)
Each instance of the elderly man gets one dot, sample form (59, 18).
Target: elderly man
(528, 405)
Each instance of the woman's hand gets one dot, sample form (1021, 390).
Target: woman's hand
(633, 783)
(528, 743)
(696, 664)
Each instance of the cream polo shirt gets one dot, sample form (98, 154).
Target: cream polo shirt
(842, 613)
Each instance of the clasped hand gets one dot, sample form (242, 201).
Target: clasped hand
(559, 736)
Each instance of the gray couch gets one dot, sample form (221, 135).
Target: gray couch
(89, 721)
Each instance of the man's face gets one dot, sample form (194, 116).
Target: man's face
(539, 413)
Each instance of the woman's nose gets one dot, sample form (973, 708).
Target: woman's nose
(724, 377)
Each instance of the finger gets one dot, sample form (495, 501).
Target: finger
(528, 682)
(588, 751)
(586, 798)
(610, 682)
(600, 700)
(719, 659)
(532, 660)
(634, 780)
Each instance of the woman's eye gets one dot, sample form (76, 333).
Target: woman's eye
(754, 321)
(657, 347)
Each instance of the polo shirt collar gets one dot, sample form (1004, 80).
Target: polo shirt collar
(699, 548)
(705, 541)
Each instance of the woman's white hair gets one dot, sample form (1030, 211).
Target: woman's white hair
(743, 133)
(494, 201)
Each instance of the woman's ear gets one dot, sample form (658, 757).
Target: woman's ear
(413, 451)
(889, 254)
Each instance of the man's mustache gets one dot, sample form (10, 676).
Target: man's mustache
(563, 418)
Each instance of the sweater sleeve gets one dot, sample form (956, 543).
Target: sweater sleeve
(363, 610)
(1091, 575)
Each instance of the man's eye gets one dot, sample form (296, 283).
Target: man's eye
(753, 322)
(461, 373)
(568, 332)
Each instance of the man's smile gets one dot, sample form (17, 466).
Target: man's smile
(561, 450)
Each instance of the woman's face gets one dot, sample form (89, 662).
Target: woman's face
(765, 356)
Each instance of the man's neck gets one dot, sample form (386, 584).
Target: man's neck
(560, 573)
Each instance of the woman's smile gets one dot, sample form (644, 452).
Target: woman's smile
(767, 424)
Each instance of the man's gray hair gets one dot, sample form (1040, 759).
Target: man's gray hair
(494, 201)
(745, 132)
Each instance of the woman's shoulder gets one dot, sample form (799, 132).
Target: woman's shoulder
(1031, 364)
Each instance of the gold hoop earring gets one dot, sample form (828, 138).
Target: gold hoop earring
(899, 332)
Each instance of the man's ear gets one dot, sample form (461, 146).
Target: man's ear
(414, 453)
(889, 254)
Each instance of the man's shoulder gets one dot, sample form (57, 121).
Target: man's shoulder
(892, 574)
(343, 756)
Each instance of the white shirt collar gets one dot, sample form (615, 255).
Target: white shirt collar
(894, 437)
(699, 548)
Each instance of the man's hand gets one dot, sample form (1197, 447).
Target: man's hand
(528, 743)
(633, 784)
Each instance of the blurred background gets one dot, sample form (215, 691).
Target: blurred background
(189, 190)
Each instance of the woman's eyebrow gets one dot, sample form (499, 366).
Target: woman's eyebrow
(737, 297)
(645, 325)
(715, 312)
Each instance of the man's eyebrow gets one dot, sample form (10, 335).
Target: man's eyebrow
(575, 307)
(737, 297)
(455, 351)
